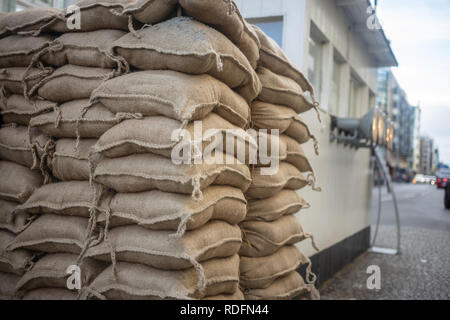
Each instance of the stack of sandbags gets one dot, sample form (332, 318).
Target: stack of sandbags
(269, 258)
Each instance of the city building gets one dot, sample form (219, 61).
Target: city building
(416, 140)
(19, 5)
(331, 43)
(426, 155)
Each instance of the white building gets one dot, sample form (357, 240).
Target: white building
(331, 43)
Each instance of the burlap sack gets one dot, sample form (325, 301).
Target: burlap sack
(70, 83)
(265, 186)
(238, 295)
(87, 49)
(283, 203)
(284, 288)
(150, 11)
(281, 90)
(273, 58)
(271, 116)
(16, 261)
(146, 172)
(17, 50)
(259, 273)
(158, 210)
(225, 17)
(71, 198)
(11, 222)
(21, 146)
(36, 19)
(139, 282)
(50, 294)
(18, 110)
(295, 154)
(52, 233)
(159, 249)
(8, 286)
(68, 118)
(265, 238)
(172, 94)
(12, 78)
(69, 163)
(157, 135)
(17, 182)
(51, 272)
(185, 45)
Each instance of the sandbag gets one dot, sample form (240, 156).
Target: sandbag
(281, 90)
(21, 146)
(296, 155)
(71, 198)
(150, 11)
(12, 79)
(174, 95)
(159, 249)
(286, 177)
(146, 172)
(238, 295)
(11, 222)
(285, 202)
(157, 135)
(52, 233)
(69, 163)
(225, 17)
(17, 182)
(140, 282)
(18, 50)
(18, 110)
(68, 118)
(51, 272)
(8, 283)
(284, 288)
(265, 238)
(185, 45)
(51, 294)
(158, 210)
(70, 83)
(259, 273)
(16, 261)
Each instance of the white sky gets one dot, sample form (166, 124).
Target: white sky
(419, 31)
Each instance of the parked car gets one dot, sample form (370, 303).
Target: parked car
(447, 196)
(442, 178)
(423, 179)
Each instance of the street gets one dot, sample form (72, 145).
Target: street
(422, 270)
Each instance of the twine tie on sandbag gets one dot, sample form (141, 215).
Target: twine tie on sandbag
(3, 98)
(312, 182)
(181, 230)
(313, 243)
(79, 119)
(121, 116)
(197, 193)
(86, 292)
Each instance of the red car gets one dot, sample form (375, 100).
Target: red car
(442, 178)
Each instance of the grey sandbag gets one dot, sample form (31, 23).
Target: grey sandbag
(18, 110)
(8, 283)
(18, 182)
(15, 261)
(18, 50)
(11, 221)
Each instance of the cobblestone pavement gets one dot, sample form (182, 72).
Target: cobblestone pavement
(422, 271)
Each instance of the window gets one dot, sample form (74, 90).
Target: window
(355, 97)
(272, 26)
(335, 88)
(315, 65)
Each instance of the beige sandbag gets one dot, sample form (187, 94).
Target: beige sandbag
(70, 198)
(18, 50)
(88, 49)
(185, 45)
(140, 282)
(16, 261)
(296, 155)
(273, 58)
(11, 222)
(265, 238)
(51, 272)
(67, 119)
(281, 90)
(17, 182)
(150, 11)
(69, 163)
(146, 172)
(284, 288)
(159, 249)
(70, 83)
(238, 295)
(21, 146)
(259, 273)
(158, 135)
(12, 79)
(35, 19)
(51, 294)
(158, 210)
(8, 286)
(283, 203)
(286, 177)
(18, 110)
(52, 233)
(174, 95)
(225, 17)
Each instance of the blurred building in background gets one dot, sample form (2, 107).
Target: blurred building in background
(19, 5)
(426, 155)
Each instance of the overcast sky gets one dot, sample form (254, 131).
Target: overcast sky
(419, 31)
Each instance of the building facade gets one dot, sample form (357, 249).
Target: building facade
(426, 155)
(19, 5)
